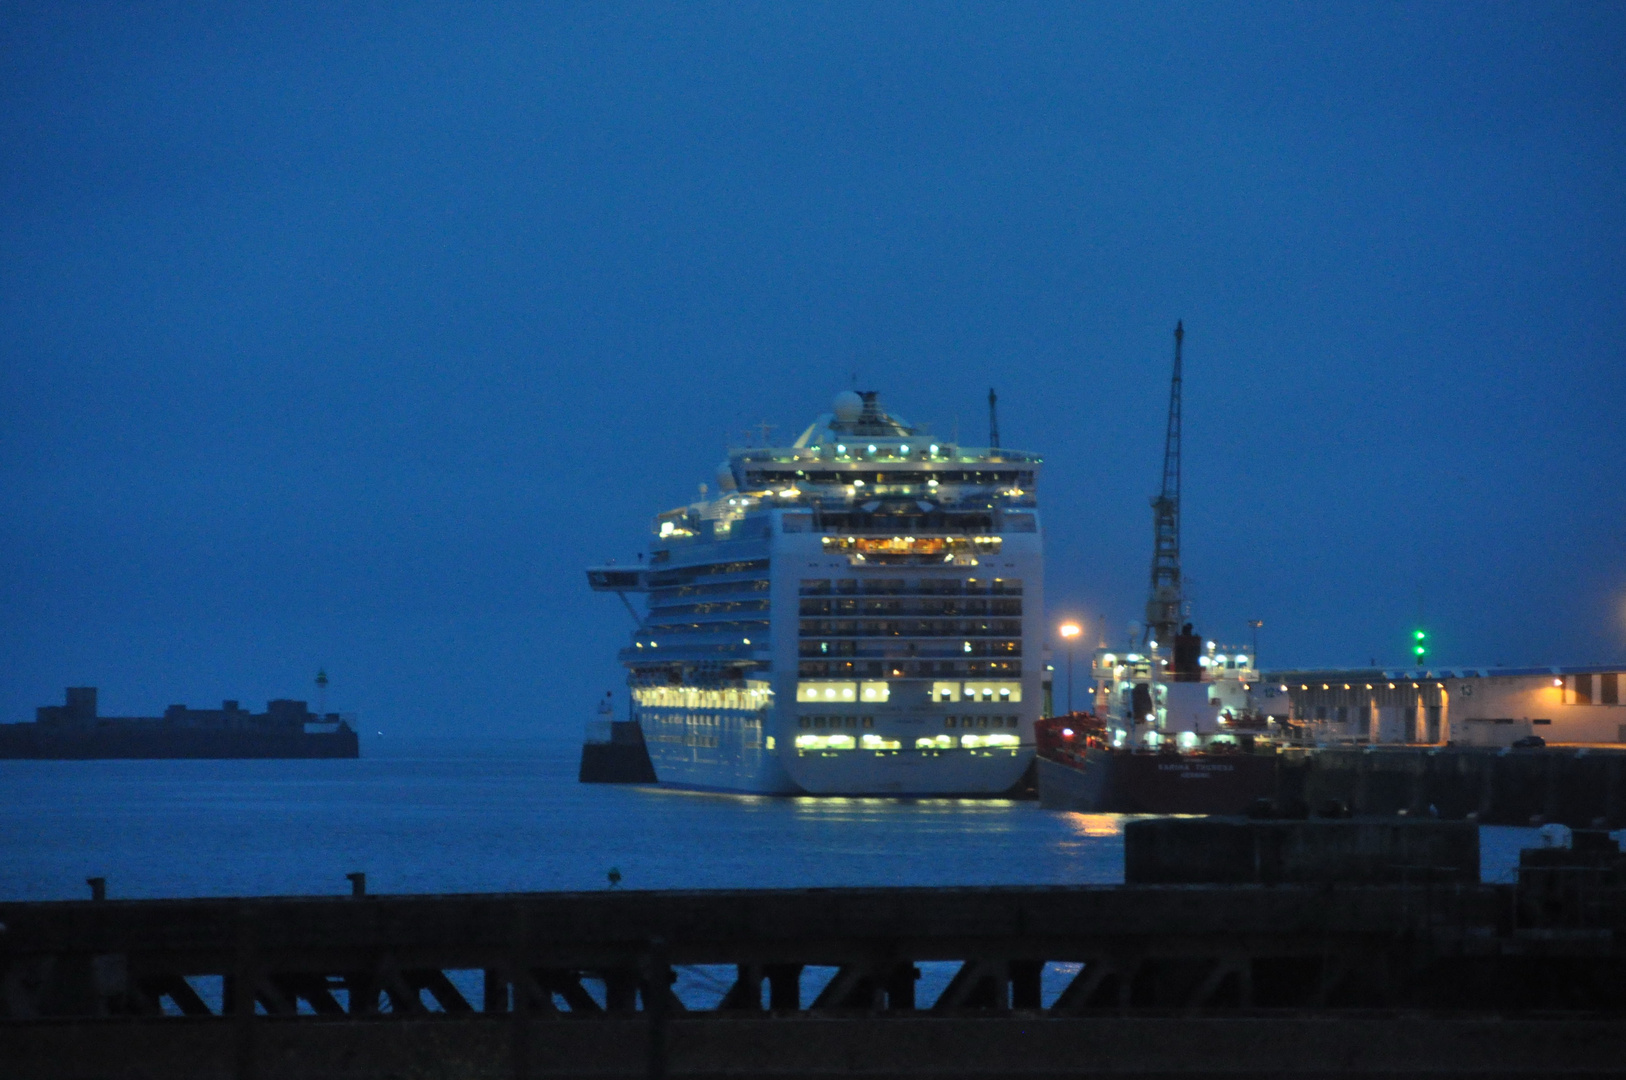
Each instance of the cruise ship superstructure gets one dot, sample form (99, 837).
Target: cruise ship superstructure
(857, 613)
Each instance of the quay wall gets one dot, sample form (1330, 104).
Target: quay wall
(1581, 788)
(1189, 851)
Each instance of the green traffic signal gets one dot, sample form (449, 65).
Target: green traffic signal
(1419, 649)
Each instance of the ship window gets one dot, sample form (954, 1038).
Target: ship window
(815, 586)
(847, 585)
(807, 721)
(1004, 692)
(818, 721)
(972, 742)
(1609, 689)
(950, 721)
(825, 742)
(1583, 689)
(875, 691)
(1011, 586)
(869, 721)
(810, 690)
(945, 691)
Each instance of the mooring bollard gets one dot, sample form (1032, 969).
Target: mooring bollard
(358, 883)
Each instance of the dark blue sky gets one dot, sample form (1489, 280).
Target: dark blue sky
(347, 336)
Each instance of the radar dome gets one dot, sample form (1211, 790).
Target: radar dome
(848, 407)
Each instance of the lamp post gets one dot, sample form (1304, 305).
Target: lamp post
(1069, 631)
(1255, 624)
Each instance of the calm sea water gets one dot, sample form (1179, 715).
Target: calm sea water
(432, 817)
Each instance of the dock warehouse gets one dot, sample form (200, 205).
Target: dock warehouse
(1490, 707)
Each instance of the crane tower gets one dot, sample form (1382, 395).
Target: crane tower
(1163, 606)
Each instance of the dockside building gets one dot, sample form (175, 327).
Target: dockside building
(1461, 706)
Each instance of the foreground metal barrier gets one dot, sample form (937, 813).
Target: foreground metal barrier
(71, 971)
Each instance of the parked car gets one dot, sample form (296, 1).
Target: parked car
(1529, 742)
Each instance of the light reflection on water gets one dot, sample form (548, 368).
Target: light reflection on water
(444, 818)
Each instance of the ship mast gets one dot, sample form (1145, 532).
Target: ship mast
(1163, 606)
(993, 419)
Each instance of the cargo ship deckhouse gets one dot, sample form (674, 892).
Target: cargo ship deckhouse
(857, 613)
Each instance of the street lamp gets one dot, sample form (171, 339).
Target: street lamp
(1255, 624)
(1069, 631)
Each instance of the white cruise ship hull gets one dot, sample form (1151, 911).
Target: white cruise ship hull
(729, 757)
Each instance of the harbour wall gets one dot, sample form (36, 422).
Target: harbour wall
(1191, 851)
(1578, 787)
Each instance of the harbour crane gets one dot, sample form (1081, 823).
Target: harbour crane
(1164, 604)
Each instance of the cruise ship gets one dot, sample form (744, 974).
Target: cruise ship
(857, 613)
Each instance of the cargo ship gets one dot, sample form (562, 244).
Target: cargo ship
(1175, 727)
(846, 615)
(75, 729)
(1182, 734)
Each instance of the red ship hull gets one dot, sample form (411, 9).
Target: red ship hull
(1120, 782)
